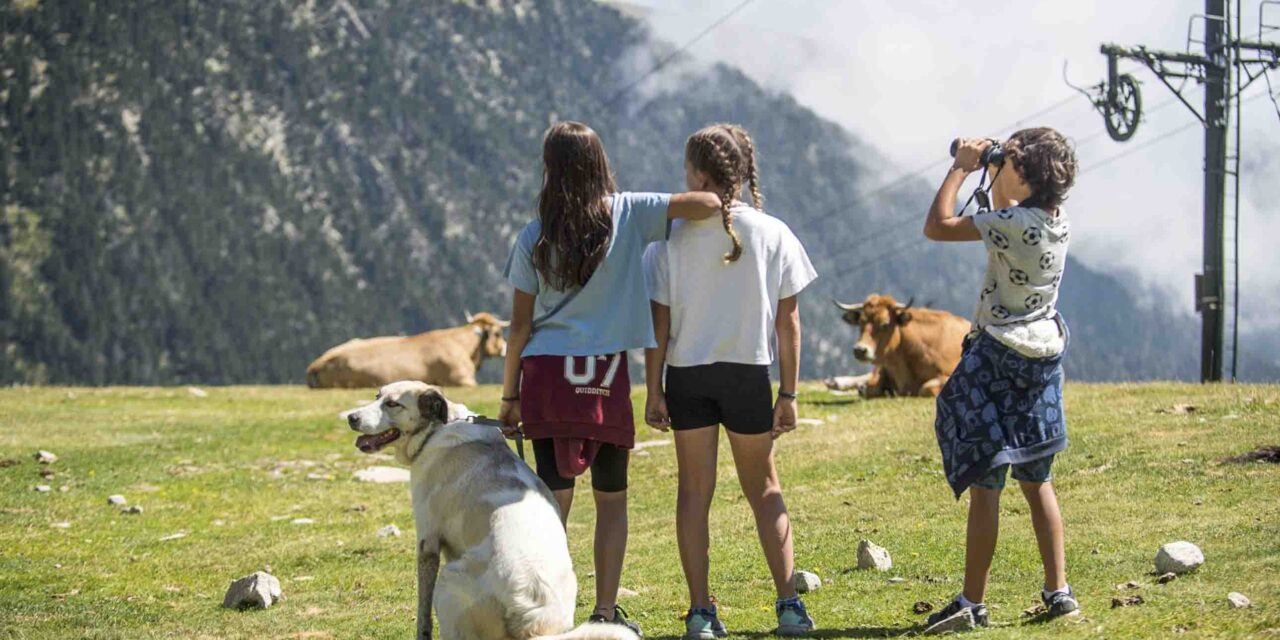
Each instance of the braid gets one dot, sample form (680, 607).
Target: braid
(753, 177)
(716, 151)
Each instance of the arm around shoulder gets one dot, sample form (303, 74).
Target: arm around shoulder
(693, 205)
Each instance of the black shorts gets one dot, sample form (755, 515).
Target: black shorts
(608, 470)
(739, 396)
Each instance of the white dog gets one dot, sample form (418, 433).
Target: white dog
(507, 573)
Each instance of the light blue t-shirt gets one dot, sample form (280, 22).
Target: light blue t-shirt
(611, 312)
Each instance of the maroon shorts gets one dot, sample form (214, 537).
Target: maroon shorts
(578, 397)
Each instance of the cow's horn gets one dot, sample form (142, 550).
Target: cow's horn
(504, 323)
(470, 318)
(910, 301)
(848, 307)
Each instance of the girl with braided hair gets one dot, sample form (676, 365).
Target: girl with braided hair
(717, 373)
(578, 305)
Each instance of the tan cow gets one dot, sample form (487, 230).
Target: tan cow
(914, 350)
(446, 357)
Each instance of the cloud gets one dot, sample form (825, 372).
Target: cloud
(909, 76)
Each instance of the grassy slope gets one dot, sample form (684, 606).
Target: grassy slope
(216, 468)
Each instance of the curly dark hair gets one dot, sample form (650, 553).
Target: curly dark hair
(1047, 162)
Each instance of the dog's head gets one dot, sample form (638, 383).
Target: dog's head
(400, 411)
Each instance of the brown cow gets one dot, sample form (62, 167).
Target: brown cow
(914, 350)
(446, 357)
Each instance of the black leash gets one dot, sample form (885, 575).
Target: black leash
(490, 422)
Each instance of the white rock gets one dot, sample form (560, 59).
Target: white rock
(961, 621)
(873, 556)
(45, 457)
(117, 500)
(197, 392)
(43, 488)
(1238, 600)
(61, 525)
(256, 590)
(303, 521)
(806, 581)
(383, 475)
(1178, 557)
(389, 531)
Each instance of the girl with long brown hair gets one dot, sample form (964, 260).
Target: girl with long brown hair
(579, 304)
(717, 372)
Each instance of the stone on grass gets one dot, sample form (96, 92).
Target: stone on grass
(61, 525)
(806, 581)
(1130, 601)
(133, 511)
(1179, 558)
(117, 500)
(1238, 600)
(45, 457)
(382, 475)
(43, 488)
(1166, 578)
(303, 521)
(257, 590)
(873, 556)
(922, 607)
(389, 531)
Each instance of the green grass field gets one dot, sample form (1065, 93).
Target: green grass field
(232, 470)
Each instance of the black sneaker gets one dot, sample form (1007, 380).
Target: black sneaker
(619, 618)
(957, 617)
(1060, 603)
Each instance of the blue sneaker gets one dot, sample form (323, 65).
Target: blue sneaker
(619, 618)
(703, 624)
(793, 619)
(956, 617)
(1060, 603)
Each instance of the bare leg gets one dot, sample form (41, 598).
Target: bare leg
(610, 548)
(753, 457)
(1047, 522)
(980, 546)
(564, 500)
(696, 451)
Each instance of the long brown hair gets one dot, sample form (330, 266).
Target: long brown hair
(576, 220)
(727, 155)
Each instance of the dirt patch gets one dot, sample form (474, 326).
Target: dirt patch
(1261, 454)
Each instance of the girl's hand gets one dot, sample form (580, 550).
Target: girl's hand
(784, 417)
(655, 412)
(509, 416)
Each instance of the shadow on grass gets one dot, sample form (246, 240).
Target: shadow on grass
(852, 632)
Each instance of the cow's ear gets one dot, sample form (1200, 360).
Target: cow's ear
(433, 407)
(903, 316)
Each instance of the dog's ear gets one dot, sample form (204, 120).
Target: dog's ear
(432, 406)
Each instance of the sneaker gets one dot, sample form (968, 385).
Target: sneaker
(957, 617)
(793, 619)
(1060, 603)
(619, 618)
(703, 624)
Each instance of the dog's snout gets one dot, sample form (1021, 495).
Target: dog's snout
(353, 419)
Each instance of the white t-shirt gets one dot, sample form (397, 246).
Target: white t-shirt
(725, 312)
(1026, 256)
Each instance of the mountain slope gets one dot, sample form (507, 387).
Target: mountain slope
(217, 192)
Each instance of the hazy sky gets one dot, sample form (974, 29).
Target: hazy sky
(910, 75)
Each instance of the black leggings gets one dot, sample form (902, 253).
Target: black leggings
(608, 470)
